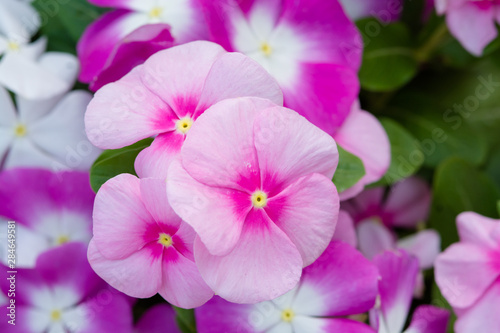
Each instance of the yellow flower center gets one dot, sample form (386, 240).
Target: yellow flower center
(259, 199)
(266, 49)
(56, 315)
(13, 46)
(155, 12)
(165, 240)
(183, 125)
(287, 315)
(20, 130)
(62, 239)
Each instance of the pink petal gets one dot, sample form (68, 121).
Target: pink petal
(363, 135)
(264, 264)
(219, 315)
(425, 245)
(408, 203)
(289, 147)
(473, 26)
(340, 283)
(385, 10)
(365, 205)
(374, 238)
(154, 196)
(155, 159)
(133, 50)
(302, 324)
(120, 218)
(345, 230)
(319, 205)
(217, 215)
(429, 319)
(100, 38)
(156, 319)
(235, 75)
(483, 316)
(323, 93)
(178, 74)
(464, 272)
(125, 112)
(477, 229)
(399, 271)
(125, 4)
(182, 284)
(208, 155)
(137, 275)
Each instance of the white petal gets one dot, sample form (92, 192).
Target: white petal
(29, 245)
(18, 20)
(24, 153)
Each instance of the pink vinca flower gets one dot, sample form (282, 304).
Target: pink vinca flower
(385, 10)
(134, 49)
(63, 294)
(254, 181)
(141, 247)
(166, 95)
(472, 22)
(49, 209)
(339, 284)
(406, 206)
(99, 39)
(160, 318)
(398, 271)
(314, 52)
(468, 274)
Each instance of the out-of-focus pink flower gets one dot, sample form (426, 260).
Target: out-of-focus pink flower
(47, 133)
(98, 41)
(166, 95)
(398, 271)
(63, 294)
(472, 22)
(159, 319)
(314, 52)
(340, 283)
(385, 10)
(250, 174)
(49, 209)
(133, 50)
(141, 247)
(468, 274)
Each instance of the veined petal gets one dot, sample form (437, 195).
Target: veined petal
(155, 160)
(313, 199)
(125, 112)
(290, 147)
(217, 215)
(272, 264)
(154, 196)
(477, 229)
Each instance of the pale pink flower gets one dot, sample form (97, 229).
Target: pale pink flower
(254, 181)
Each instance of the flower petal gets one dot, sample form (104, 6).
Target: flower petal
(477, 229)
(313, 199)
(154, 196)
(156, 319)
(345, 230)
(271, 264)
(429, 319)
(425, 245)
(302, 324)
(374, 238)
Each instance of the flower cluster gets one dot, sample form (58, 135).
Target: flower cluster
(270, 166)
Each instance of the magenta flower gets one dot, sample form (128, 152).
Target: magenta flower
(141, 247)
(63, 294)
(133, 50)
(166, 95)
(50, 209)
(468, 274)
(339, 284)
(99, 39)
(254, 181)
(472, 22)
(159, 319)
(314, 52)
(398, 271)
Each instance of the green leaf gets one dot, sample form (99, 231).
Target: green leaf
(498, 208)
(114, 162)
(405, 153)
(459, 187)
(349, 171)
(186, 320)
(388, 59)
(63, 22)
